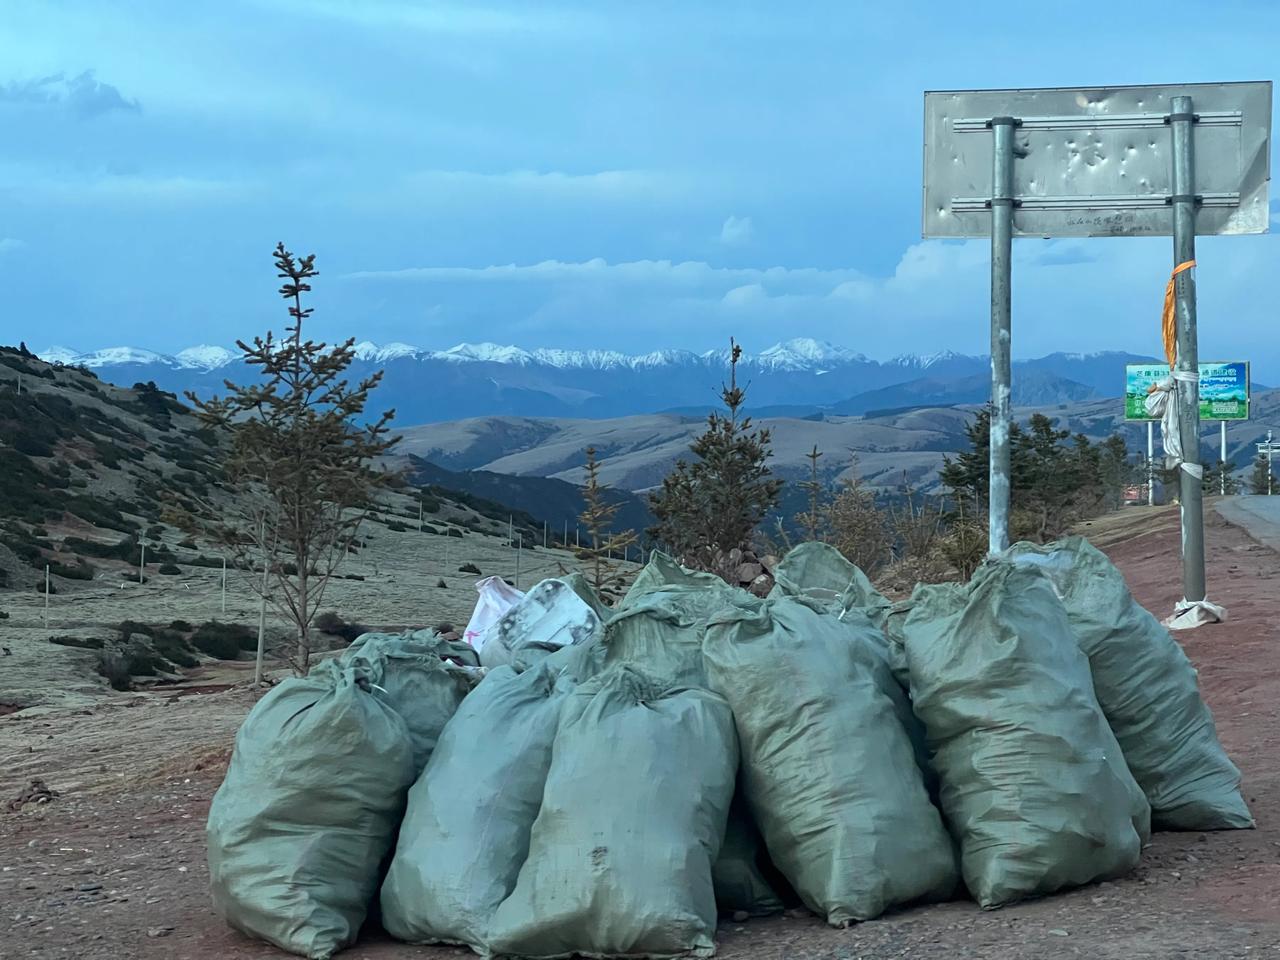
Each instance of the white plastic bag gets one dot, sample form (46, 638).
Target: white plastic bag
(548, 617)
(496, 598)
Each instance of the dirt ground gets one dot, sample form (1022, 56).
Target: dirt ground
(114, 867)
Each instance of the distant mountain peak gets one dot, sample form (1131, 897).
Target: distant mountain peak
(663, 358)
(923, 361)
(55, 354)
(486, 353)
(584, 359)
(368, 350)
(204, 357)
(932, 359)
(803, 352)
(120, 356)
(1084, 357)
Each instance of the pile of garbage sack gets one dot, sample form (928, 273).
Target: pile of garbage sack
(577, 779)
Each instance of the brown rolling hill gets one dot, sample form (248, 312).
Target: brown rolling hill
(638, 451)
(882, 447)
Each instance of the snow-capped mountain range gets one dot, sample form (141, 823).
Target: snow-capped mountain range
(798, 377)
(802, 353)
(203, 357)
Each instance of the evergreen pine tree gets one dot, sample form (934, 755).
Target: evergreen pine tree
(300, 465)
(712, 505)
(1213, 481)
(811, 521)
(597, 516)
(1261, 480)
(1055, 479)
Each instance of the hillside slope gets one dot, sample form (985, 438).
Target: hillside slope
(886, 446)
(1031, 387)
(85, 467)
(555, 502)
(89, 471)
(637, 452)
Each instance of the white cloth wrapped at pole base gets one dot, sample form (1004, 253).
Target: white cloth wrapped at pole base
(1195, 613)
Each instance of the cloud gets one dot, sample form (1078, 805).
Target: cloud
(121, 188)
(83, 95)
(852, 290)
(9, 244)
(660, 273)
(736, 231)
(42, 90)
(89, 97)
(937, 297)
(744, 296)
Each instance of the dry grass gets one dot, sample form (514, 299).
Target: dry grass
(402, 572)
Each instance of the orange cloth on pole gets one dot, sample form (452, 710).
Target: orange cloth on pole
(1168, 322)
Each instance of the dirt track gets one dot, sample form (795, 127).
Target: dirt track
(114, 868)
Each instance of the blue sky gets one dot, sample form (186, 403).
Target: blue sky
(612, 175)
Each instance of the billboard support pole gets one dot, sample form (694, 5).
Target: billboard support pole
(1151, 466)
(1223, 455)
(1183, 201)
(1001, 311)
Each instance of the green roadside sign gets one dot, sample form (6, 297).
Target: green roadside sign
(1224, 389)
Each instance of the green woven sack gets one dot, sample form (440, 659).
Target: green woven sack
(1147, 688)
(739, 871)
(827, 765)
(662, 636)
(466, 830)
(309, 809)
(425, 678)
(659, 624)
(895, 620)
(819, 571)
(632, 819)
(1034, 785)
(662, 573)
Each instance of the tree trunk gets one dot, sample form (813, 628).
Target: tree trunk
(262, 627)
(304, 649)
(304, 618)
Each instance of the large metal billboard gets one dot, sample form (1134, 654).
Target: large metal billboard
(1095, 161)
(1224, 389)
(1174, 160)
